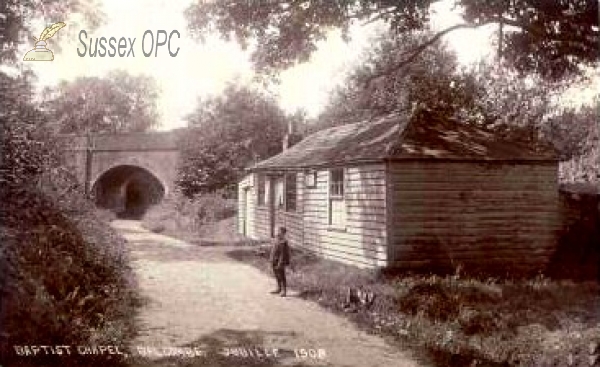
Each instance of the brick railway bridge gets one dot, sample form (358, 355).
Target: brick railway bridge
(125, 172)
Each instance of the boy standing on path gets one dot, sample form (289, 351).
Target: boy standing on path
(280, 258)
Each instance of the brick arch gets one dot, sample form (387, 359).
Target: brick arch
(127, 190)
(147, 165)
(155, 152)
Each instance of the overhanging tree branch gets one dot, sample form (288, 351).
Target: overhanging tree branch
(413, 54)
(378, 16)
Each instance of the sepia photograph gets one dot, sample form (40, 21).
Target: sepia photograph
(328, 183)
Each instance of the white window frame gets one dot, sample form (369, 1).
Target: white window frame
(279, 191)
(338, 198)
(310, 179)
(267, 184)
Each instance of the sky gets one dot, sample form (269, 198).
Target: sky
(203, 69)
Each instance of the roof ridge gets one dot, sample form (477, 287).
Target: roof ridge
(416, 134)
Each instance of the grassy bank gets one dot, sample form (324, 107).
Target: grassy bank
(458, 321)
(64, 278)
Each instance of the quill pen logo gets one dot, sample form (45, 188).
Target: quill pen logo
(40, 52)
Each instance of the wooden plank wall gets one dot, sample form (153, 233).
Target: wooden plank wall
(578, 252)
(291, 220)
(244, 213)
(362, 242)
(487, 217)
(261, 222)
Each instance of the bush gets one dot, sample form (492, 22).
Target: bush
(431, 300)
(64, 278)
(64, 273)
(184, 217)
(213, 207)
(27, 146)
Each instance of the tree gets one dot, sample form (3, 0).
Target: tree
(15, 15)
(551, 37)
(576, 134)
(26, 148)
(226, 134)
(504, 97)
(491, 96)
(118, 103)
(434, 80)
(531, 107)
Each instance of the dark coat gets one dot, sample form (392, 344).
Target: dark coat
(280, 253)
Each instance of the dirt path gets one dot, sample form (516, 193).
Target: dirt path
(199, 297)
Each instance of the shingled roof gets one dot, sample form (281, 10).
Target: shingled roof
(420, 135)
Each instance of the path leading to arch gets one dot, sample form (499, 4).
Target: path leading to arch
(198, 297)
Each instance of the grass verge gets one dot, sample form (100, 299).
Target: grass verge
(458, 321)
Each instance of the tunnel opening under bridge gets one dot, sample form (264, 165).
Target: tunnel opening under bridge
(128, 191)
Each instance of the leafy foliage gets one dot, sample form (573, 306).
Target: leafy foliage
(226, 134)
(514, 106)
(15, 16)
(186, 218)
(64, 278)
(503, 97)
(582, 126)
(118, 103)
(63, 274)
(26, 148)
(552, 38)
(434, 80)
(577, 136)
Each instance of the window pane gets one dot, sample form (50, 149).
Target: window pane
(279, 193)
(290, 192)
(267, 189)
(336, 182)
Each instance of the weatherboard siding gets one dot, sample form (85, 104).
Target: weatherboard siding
(362, 240)
(496, 217)
(247, 208)
(292, 219)
(262, 224)
(261, 221)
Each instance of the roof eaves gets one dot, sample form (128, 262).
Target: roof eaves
(351, 162)
(473, 159)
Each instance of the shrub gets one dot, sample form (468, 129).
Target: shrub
(64, 274)
(183, 216)
(429, 299)
(213, 207)
(27, 147)
(65, 279)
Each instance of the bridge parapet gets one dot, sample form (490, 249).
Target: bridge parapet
(153, 141)
(73, 142)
